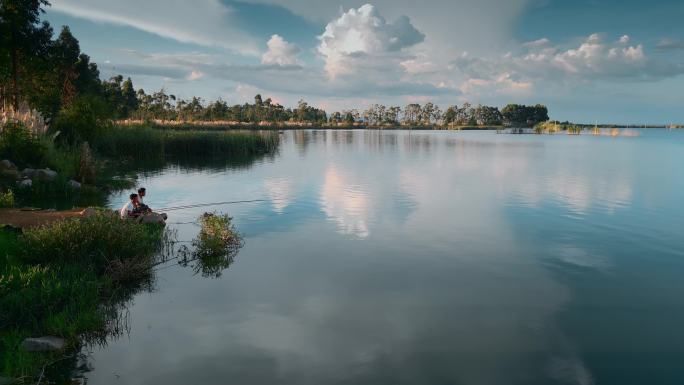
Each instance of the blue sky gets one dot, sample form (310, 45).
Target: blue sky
(618, 61)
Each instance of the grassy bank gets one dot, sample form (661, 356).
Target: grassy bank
(74, 279)
(117, 151)
(67, 280)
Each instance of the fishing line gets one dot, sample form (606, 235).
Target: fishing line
(184, 207)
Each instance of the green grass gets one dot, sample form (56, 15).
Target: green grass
(144, 143)
(68, 279)
(215, 246)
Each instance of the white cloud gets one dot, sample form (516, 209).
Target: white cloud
(540, 61)
(280, 52)
(195, 75)
(205, 22)
(360, 33)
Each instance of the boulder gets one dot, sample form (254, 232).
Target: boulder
(153, 218)
(43, 344)
(9, 173)
(7, 165)
(72, 184)
(25, 183)
(45, 175)
(28, 173)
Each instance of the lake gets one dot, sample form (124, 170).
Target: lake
(424, 257)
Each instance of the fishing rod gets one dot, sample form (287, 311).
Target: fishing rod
(184, 207)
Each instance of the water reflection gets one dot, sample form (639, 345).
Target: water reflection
(428, 257)
(346, 203)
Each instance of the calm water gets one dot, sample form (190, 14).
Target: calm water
(425, 258)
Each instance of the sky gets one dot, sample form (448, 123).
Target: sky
(613, 61)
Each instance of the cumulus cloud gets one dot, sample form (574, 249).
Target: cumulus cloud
(361, 33)
(280, 52)
(291, 79)
(593, 59)
(173, 19)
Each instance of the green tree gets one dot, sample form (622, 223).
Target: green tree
(24, 44)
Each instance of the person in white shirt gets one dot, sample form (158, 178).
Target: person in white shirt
(129, 210)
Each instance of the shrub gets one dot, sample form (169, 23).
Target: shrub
(22, 147)
(98, 240)
(84, 120)
(6, 199)
(215, 247)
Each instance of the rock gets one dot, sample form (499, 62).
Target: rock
(45, 175)
(42, 344)
(7, 165)
(8, 173)
(74, 185)
(89, 212)
(153, 218)
(25, 183)
(28, 173)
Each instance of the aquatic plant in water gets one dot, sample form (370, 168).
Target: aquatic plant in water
(214, 248)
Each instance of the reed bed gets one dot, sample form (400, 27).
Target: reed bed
(144, 142)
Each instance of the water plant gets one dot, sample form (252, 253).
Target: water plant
(214, 248)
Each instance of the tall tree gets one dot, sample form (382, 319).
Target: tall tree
(23, 41)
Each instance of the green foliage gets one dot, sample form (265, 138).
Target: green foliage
(61, 280)
(145, 143)
(521, 115)
(84, 120)
(19, 145)
(215, 247)
(138, 142)
(218, 144)
(97, 240)
(6, 199)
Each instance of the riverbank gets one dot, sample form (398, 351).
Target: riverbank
(38, 171)
(65, 280)
(66, 284)
(221, 125)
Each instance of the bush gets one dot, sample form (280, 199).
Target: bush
(215, 247)
(98, 240)
(84, 120)
(6, 199)
(19, 145)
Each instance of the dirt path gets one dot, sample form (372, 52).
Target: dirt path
(35, 218)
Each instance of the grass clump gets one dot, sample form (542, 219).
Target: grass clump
(214, 248)
(96, 240)
(66, 279)
(6, 199)
(21, 146)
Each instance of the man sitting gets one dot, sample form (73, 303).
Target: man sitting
(141, 199)
(131, 209)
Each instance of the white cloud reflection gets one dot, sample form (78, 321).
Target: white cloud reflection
(345, 203)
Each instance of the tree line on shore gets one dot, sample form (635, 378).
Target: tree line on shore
(52, 76)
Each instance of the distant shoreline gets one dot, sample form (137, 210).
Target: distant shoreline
(226, 125)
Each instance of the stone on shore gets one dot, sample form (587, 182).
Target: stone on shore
(45, 175)
(25, 183)
(74, 185)
(8, 169)
(153, 218)
(28, 172)
(43, 344)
